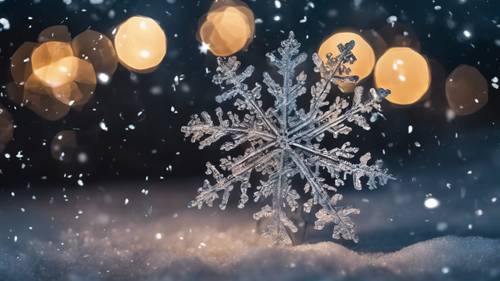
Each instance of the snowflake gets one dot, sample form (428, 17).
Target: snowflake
(284, 142)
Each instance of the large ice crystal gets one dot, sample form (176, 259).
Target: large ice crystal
(285, 142)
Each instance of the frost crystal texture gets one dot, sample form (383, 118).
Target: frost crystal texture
(284, 142)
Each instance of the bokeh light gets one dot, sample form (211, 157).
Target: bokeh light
(466, 90)
(57, 73)
(400, 35)
(227, 28)
(405, 72)
(362, 50)
(39, 98)
(55, 66)
(78, 91)
(97, 49)
(64, 146)
(140, 44)
(375, 40)
(20, 62)
(55, 33)
(52, 64)
(6, 128)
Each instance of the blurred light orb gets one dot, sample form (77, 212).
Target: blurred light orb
(78, 91)
(227, 28)
(97, 49)
(466, 90)
(20, 62)
(68, 79)
(56, 73)
(405, 72)
(55, 33)
(365, 56)
(140, 44)
(52, 65)
(64, 146)
(39, 98)
(375, 40)
(6, 128)
(400, 35)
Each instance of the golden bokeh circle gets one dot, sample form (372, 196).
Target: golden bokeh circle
(97, 49)
(140, 44)
(365, 56)
(50, 63)
(226, 31)
(20, 62)
(227, 28)
(55, 74)
(405, 73)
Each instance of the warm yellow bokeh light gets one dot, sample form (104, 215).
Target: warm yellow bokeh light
(405, 72)
(362, 50)
(227, 30)
(140, 44)
(55, 74)
(58, 73)
(20, 62)
(51, 63)
(78, 91)
(50, 52)
(39, 98)
(97, 49)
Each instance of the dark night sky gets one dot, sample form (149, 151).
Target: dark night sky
(156, 143)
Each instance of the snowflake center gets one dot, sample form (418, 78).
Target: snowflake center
(284, 143)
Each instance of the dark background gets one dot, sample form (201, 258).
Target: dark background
(448, 148)
(136, 183)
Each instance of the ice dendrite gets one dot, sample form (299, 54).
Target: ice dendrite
(284, 144)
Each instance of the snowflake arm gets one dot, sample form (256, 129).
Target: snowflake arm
(209, 192)
(335, 71)
(227, 75)
(206, 132)
(344, 227)
(337, 167)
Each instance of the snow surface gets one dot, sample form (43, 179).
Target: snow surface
(213, 251)
(94, 235)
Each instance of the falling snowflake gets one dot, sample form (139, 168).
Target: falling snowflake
(284, 142)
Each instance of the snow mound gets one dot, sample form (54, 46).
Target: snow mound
(139, 254)
(115, 242)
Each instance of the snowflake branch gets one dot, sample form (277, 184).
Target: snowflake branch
(336, 71)
(286, 95)
(351, 115)
(373, 172)
(208, 192)
(252, 155)
(227, 73)
(206, 132)
(343, 225)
